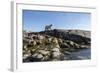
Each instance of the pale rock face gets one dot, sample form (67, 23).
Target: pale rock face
(40, 37)
(72, 43)
(25, 56)
(39, 56)
(55, 40)
(77, 46)
(56, 54)
(34, 42)
(57, 45)
(55, 50)
(43, 52)
(34, 55)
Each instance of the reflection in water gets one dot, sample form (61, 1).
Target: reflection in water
(79, 55)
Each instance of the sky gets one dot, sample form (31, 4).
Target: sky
(36, 21)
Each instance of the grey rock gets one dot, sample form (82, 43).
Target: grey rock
(43, 52)
(25, 56)
(56, 54)
(55, 50)
(39, 56)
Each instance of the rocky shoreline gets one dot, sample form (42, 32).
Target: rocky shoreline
(53, 44)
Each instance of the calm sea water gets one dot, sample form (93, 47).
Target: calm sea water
(79, 55)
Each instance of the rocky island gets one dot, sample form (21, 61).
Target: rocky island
(55, 45)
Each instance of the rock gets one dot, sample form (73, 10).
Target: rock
(34, 36)
(56, 55)
(43, 52)
(54, 40)
(34, 43)
(71, 43)
(57, 45)
(64, 45)
(60, 41)
(45, 58)
(38, 42)
(77, 46)
(55, 49)
(30, 41)
(39, 56)
(47, 36)
(25, 46)
(40, 37)
(35, 55)
(25, 56)
(49, 39)
(54, 59)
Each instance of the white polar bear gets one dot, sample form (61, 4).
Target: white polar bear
(48, 27)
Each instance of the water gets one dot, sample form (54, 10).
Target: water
(79, 55)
